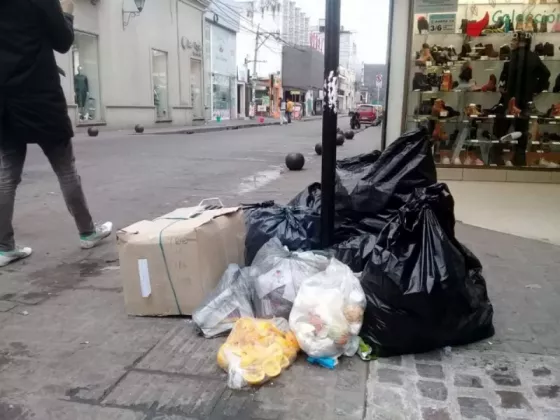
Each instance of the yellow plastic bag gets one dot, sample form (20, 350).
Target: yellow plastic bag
(257, 350)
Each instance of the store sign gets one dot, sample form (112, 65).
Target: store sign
(436, 6)
(443, 23)
(195, 47)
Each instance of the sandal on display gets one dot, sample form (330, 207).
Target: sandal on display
(512, 108)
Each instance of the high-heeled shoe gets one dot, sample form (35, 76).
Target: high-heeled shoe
(475, 28)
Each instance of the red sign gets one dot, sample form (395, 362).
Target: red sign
(317, 42)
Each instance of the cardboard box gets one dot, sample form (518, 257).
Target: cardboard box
(168, 265)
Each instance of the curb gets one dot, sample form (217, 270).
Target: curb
(196, 130)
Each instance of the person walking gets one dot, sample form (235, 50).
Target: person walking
(289, 110)
(33, 109)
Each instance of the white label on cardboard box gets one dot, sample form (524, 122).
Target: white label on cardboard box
(144, 274)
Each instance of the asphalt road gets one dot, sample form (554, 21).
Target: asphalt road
(133, 177)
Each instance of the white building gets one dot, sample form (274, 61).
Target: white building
(132, 67)
(222, 22)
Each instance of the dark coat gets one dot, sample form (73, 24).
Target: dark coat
(33, 108)
(527, 71)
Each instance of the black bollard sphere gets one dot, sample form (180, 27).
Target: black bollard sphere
(93, 132)
(319, 149)
(349, 135)
(139, 128)
(339, 140)
(295, 161)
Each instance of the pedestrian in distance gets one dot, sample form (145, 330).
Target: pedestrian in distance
(283, 115)
(33, 109)
(289, 110)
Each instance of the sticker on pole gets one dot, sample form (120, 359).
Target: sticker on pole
(444, 23)
(379, 81)
(436, 6)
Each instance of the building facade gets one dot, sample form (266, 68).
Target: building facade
(302, 77)
(373, 91)
(132, 67)
(221, 25)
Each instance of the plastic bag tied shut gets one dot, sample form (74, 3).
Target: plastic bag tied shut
(230, 301)
(277, 276)
(257, 351)
(328, 313)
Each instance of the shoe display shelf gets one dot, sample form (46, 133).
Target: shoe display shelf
(454, 90)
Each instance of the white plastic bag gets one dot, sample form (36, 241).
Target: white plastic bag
(230, 301)
(277, 275)
(328, 312)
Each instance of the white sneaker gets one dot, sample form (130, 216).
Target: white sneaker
(8, 257)
(457, 161)
(446, 161)
(101, 232)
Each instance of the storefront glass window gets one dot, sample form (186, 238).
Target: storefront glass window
(484, 78)
(87, 90)
(196, 87)
(221, 99)
(160, 86)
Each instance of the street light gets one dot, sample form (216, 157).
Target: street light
(127, 15)
(330, 120)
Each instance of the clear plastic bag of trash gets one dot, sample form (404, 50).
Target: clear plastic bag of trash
(277, 275)
(230, 301)
(328, 312)
(257, 351)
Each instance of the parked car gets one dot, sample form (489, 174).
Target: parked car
(367, 114)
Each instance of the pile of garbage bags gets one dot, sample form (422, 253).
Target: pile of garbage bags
(396, 277)
(394, 224)
(321, 298)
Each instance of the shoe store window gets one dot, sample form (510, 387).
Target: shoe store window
(485, 80)
(160, 85)
(85, 65)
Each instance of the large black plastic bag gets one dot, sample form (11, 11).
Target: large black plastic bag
(297, 228)
(424, 289)
(371, 188)
(309, 198)
(355, 252)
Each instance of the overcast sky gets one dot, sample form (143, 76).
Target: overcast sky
(368, 18)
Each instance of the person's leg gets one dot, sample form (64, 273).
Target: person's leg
(62, 160)
(12, 159)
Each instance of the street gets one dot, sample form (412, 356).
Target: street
(68, 351)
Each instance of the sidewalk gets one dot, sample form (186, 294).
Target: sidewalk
(69, 352)
(210, 126)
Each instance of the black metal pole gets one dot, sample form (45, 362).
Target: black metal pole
(330, 120)
(388, 76)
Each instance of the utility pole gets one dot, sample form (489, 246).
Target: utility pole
(330, 120)
(254, 78)
(255, 61)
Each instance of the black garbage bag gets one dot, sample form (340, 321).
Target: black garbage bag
(355, 252)
(371, 188)
(424, 289)
(296, 227)
(309, 198)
